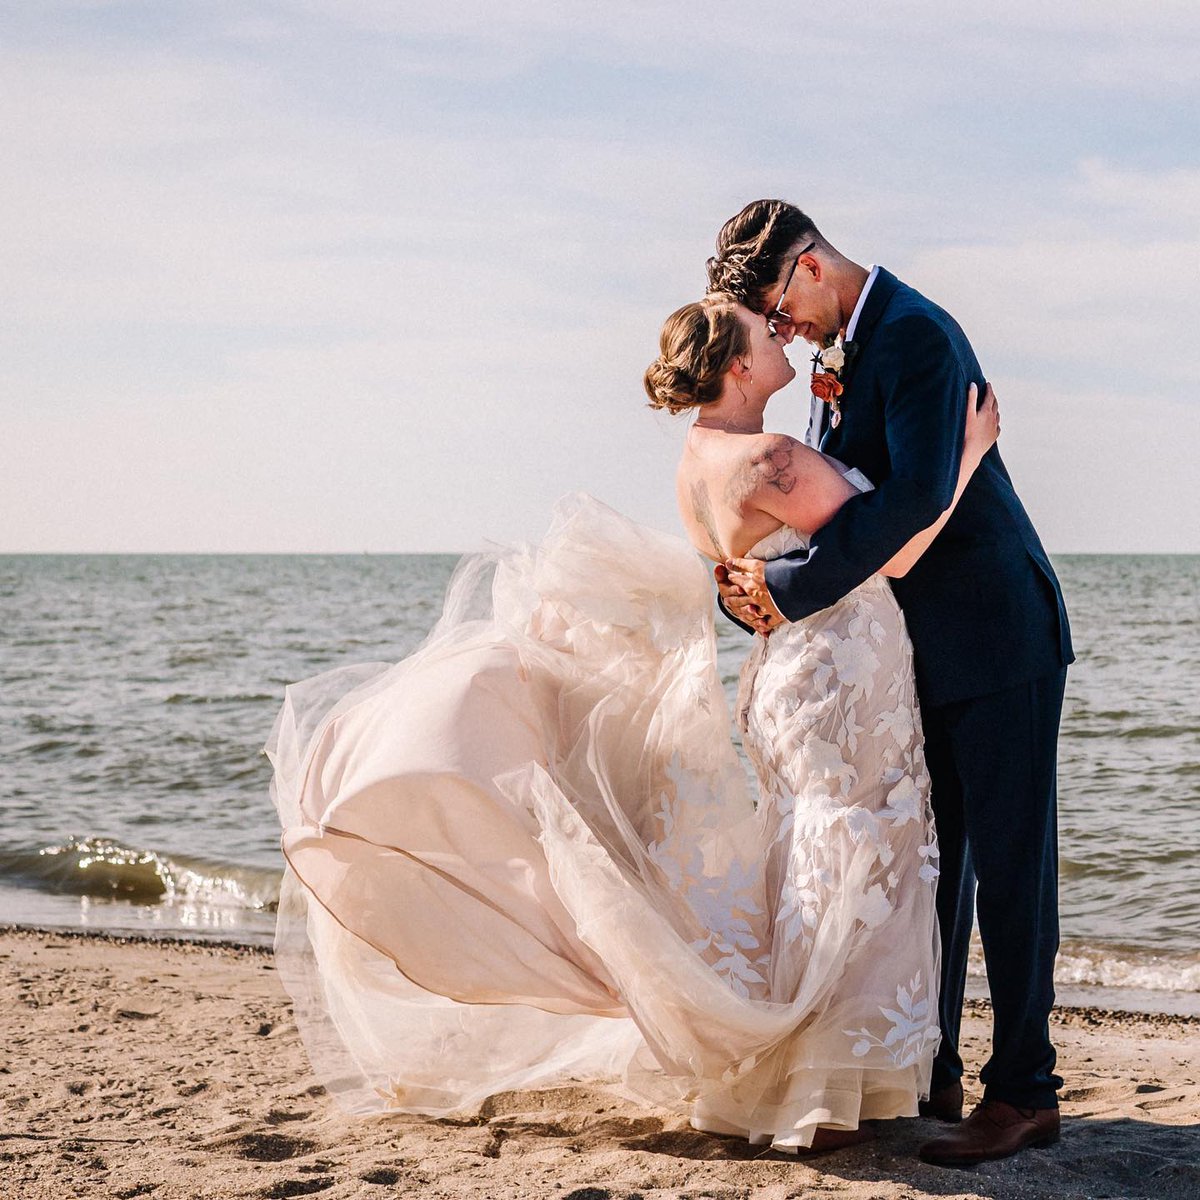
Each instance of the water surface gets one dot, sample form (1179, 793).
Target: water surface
(136, 693)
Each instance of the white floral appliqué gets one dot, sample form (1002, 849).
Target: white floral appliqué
(912, 1030)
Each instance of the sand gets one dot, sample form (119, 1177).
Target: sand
(167, 1069)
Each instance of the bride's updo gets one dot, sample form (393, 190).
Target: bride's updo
(696, 347)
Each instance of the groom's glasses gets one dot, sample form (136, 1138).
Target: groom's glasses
(777, 316)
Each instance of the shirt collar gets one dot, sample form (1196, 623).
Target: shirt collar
(862, 299)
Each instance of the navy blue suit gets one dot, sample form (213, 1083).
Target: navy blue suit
(991, 644)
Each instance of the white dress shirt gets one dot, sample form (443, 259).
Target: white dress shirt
(818, 409)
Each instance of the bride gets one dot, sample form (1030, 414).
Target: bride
(528, 853)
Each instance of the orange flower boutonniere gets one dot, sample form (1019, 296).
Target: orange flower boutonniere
(826, 387)
(826, 381)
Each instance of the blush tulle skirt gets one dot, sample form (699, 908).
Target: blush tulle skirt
(528, 854)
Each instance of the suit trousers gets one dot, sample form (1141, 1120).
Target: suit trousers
(992, 764)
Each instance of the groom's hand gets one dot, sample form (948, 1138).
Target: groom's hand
(743, 588)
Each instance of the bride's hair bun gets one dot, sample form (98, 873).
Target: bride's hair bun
(669, 386)
(698, 343)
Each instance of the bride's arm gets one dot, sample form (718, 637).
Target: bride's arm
(796, 485)
(791, 482)
(983, 428)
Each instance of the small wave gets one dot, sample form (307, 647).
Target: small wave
(105, 868)
(1113, 966)
(55, 724)
(49, 746)
(190, 658)
(240, 698)
(1159, 731)
(1153, 973)
(58, 748)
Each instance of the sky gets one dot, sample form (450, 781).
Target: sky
(348, 275)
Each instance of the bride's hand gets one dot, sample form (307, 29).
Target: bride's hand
(743, 586)
(983, 424)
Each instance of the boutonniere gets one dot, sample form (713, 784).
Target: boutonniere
(829, 367)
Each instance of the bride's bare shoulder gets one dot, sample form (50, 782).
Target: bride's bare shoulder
(773, 462)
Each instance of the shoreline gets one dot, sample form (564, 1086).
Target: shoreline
(1173, 1003)
(137, 939)
(171, 1068)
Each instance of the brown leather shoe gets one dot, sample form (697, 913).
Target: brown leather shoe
(993, 1130)
(944, 1104)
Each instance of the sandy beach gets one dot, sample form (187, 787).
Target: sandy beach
(173, 1070)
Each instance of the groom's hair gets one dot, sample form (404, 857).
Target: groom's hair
(752, 248)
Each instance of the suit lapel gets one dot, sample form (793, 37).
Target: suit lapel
(882, 290)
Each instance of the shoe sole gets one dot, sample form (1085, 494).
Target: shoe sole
(1043, 1143)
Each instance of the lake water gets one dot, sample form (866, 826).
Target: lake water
(136, 693)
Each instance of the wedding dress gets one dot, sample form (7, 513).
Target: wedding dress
(529, 853)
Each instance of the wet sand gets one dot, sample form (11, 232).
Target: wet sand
(173, 1070)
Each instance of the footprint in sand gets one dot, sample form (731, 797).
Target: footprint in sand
(295, 1187)
(383, 1176)
(267, 1147)
(278, 1116)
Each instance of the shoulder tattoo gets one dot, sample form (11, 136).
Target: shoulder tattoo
(771, 467)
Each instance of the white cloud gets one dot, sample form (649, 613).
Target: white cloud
(1098, 309)
(1103, 473)
(1143, 200)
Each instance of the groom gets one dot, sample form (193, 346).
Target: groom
(988, 626)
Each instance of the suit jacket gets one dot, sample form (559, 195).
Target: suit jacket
(983, 605)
